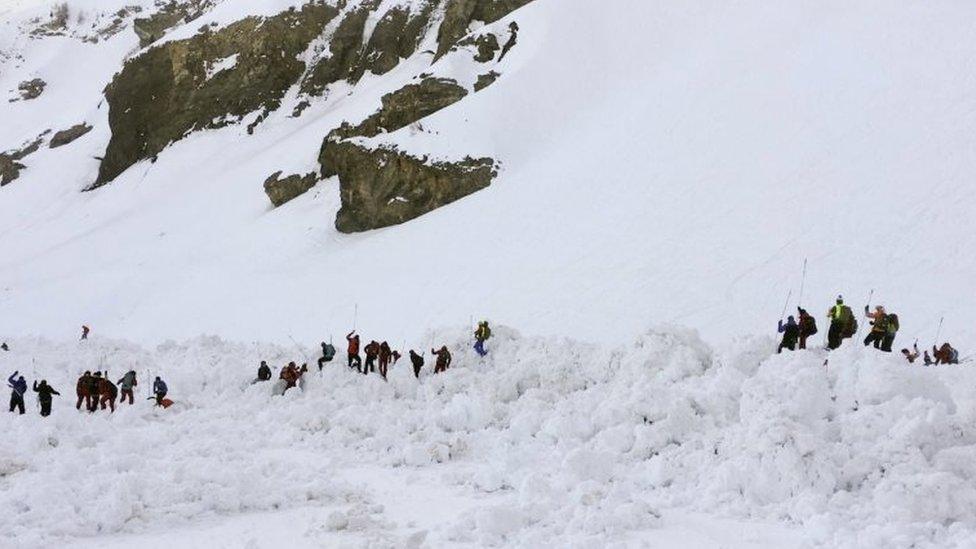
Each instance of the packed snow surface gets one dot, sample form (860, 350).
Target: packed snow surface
(545, 443)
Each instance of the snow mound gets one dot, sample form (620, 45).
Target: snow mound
(568, 443)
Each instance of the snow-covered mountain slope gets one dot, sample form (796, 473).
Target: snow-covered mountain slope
(548, 442)
(659, 163)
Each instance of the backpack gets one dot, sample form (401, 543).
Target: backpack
(809, 325)
(328, 352)
(893, 324)
(848, 322)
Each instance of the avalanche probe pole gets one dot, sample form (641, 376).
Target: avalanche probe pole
(355, 317)
(803, 281)
(787, 304)
(938, 333)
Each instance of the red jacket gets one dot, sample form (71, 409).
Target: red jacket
(353, 344)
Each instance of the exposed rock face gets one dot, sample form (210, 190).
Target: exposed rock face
(459, 14)
(385, 187)
(487, 45)
(170, 14)
(485, 80)
(64, 137)
(168, 91)
(283, 190)
(395, 36)
(31, 89)
(9, 161)
(408, 105)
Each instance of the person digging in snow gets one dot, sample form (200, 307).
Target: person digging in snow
(107, 393)
(84, 332)
(791, 332)
(843, 325)
(126, 385)
(879, 326)
(352, 351)
(328, 353)
(417, 361)
(945, 354)
(82, 389)
(159, 390)
(264, 371)
(18, 386)
(372, 351)
(911, 356)
(443, 359)
(44, 392)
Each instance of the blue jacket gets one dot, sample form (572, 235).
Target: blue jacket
(18, 385)
(159, 386)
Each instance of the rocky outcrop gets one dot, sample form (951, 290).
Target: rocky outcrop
(64, 137)
(406, 106)
(385, 187)
(486, 45)
(459, 14)
(283, 190)
(172, 89)
(168, 15)
(30, 89)
(10, 165)
(485, 80)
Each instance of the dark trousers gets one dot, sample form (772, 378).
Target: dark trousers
(322, 361)
(45, 408)
(370, 364)
(803, 341)
(875, 338)
(16, 401)
(835, 335)
(127, 393)
(159, 398)
(886, 343)
(786, 344)
(86, 399)
(416, 370)
(355, 359)
(108, 399)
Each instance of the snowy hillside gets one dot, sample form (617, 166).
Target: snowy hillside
(215, 172)
(687, 158)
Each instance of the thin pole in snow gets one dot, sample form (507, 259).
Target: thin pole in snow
(803, 281)
(355, 317)
(787, 304)
(938, 332)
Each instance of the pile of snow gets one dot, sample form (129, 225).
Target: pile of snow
(557, 443)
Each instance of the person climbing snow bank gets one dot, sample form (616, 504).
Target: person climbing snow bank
(791, 333)
(481, 335)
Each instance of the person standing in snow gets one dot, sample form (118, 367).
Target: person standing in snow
(84, 332)
(18, 386)
(3, 346)
(352, 351)
(385, 356)
(945, 354)
(44, 392)
(372, 351)
(127, 382)
(417, 361)
(107, 393)
(842, 324)
(791, 332)
(481, 335)
(891, 330)
(94, 386)
(264, 371)
(443, 359)
(82, 390)
(328, 353)
(159, 390)
(808, 326)
(879, 326)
